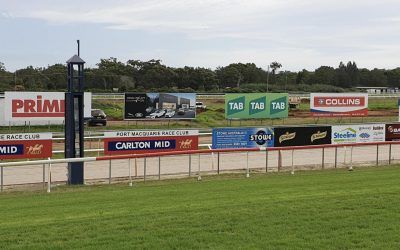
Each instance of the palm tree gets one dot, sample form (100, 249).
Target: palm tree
(274, 66)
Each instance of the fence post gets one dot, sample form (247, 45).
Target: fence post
(199, 176)
(218, 162)
(279, 160)
(390, 153)
(159, 168)
(336, 157)
(323, 158)
(1, 189)
(190, 165)
(44, 176)
(247, 165)
(144, 169)
(98, 148)
(130, 173)
(266, 160)
(49, 179)
(292, 161)
(351, 159)
(109, 172)
(377, 154)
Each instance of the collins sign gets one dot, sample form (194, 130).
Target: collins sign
(338, 104)
(136, 142)
(25, 146)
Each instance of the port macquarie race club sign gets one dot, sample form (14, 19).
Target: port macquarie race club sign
(38, 106)
(242, 138)
(25, 146)
(338, 104)
(140, 141)
(257, 105)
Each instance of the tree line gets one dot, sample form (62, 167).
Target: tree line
(135, 75)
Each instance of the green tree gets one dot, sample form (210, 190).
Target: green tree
(275, 66)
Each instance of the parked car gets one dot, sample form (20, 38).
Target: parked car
(158, 113)
(97, 117)
(200, 105)
(170, 113)
(181, 111)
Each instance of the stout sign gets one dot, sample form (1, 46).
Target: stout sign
(300, 136)
(338, 104)
(136, 142)
(25, 146)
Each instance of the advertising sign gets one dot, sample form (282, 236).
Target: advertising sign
(39, 106)
(301, 136)
(256, 105)
(160, 106)
(140, 141)
(25, 146)
(392, 132)
(242, 137)
(338, 104)
(343, 134)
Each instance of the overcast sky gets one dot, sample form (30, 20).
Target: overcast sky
(207, 33)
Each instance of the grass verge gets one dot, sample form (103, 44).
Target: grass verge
(314, 210)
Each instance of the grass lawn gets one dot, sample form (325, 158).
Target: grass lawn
(312, 210)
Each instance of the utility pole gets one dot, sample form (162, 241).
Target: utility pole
(267, 77)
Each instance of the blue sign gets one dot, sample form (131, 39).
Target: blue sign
(141, 145)
(242, 137)
(16, 149)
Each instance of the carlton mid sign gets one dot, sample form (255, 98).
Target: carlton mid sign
(133, 142)
(338, 104)
(25, 146)
(37, 106)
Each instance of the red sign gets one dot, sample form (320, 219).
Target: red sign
(338, 104)
(339, 101)
(392, 132)
(134, 142)
(25, 146)
(37, 107)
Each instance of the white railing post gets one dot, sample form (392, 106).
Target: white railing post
(159, 168)
(292, 161)
(144, 169)
(49, 178)
(44, 176)
(198, 173)
(130, 173)
(109, 172)
(1, 177)
(247, 165)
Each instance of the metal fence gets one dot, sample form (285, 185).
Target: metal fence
(197, 163)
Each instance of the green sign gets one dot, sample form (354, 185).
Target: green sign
(257, 105)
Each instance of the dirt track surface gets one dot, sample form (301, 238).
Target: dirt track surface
(179, 165)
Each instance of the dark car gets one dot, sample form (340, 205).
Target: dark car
(98, 117)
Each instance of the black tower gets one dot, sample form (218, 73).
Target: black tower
(74, 141)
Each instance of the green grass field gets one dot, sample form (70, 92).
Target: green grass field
(309, 210)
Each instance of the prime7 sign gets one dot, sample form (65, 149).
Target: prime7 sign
(256, 105)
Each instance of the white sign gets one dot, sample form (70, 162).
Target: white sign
(26, 136)
(150, 133)
(39, 106)
(339, 104)
(358, 133)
